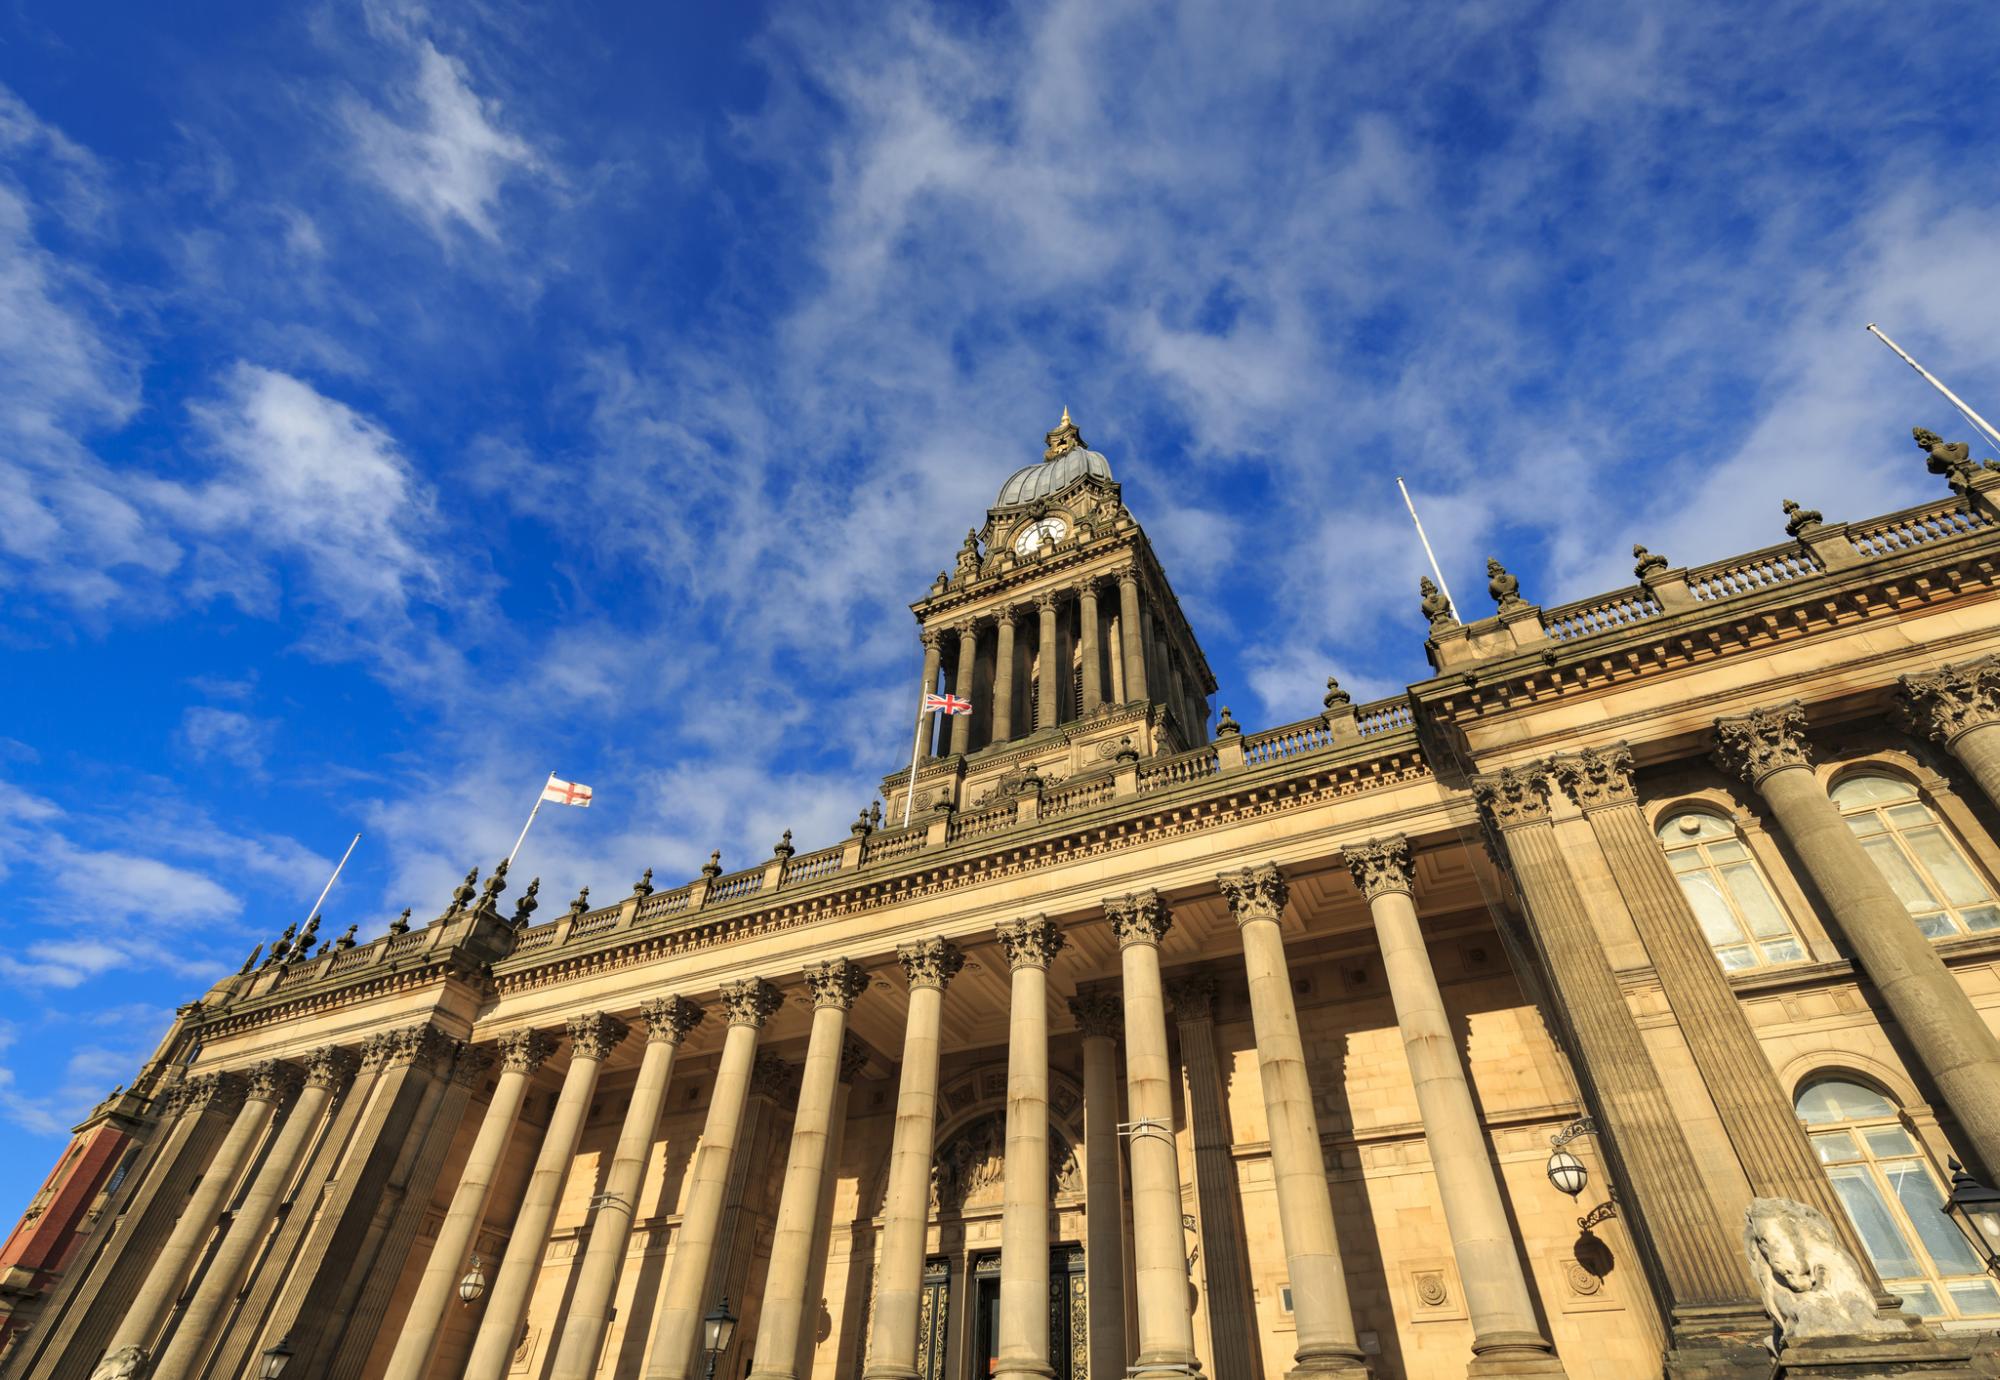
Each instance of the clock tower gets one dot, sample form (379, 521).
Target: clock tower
(1058, 626)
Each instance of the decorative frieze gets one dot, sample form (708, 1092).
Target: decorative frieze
(330, 1067)
(669, 1019)
(1513, 796)
(1099, 1014)
(930, 962)
(1381, 866)
(1596, 777)
(1764, 741)
(522, 1051)
(272, 1081)
(750, 1002)
(1952, 700)
(594, 1034)
(1029, 943)
(1255, 893)
(836, 982)
(1142, 917)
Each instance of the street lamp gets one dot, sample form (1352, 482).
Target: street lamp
(275, 1358)
(1565, 1170)
(1976, 1209)
(717, 1329)
(473, 1285)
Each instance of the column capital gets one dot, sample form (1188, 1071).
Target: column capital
(423, 1045)
(1382, 866)
(594, 1034)
(1006, 616)
(836, 982)
(1764, 741)
(1128, 576)
(272, 1081)
(1099, 1015)
(1951, 700)
(669, 1019)
(1086, 588)
(1192, 996)
(471, 1064)
(1596, 777)
(750, 1002)
(773, 1077)
(853, 1057)
(1032, 942)
(1046, 601)
(931, 638)
(330, 1067)
(220, 1091)
(1142, 917)
(1255, 893)
(930, 962)
(522, 1051)
(968, 631)
(1513, 796)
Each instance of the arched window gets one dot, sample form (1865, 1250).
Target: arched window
(1891, 1194)
(1738, 913)
(1942, 892)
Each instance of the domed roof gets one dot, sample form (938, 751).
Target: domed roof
(1062, 464)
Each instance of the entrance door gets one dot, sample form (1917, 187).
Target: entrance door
(933, 1318)
(986, 1314)
(1069, 1321)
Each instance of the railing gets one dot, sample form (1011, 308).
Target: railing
(887, 847)
(986, 821)
(664, 903)
(738, 884)
(1758, 570)
(813, 866)
(351, 958)
(540, 937)
(1602, 614)
(1197, 765)
(595, 922)
(1072, 796)
(1913, 527)
(1277, 744)
(404, 943)
(1383, 716)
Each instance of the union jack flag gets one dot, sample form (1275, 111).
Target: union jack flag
(950, 704)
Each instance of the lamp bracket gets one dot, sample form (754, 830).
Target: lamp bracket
(1582, 1126)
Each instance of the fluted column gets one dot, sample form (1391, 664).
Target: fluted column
(834, 985)
(327, 1070)
(1132, 635)
(255, 1097)
(1093, 671)
(853, 1058)
(668, 1020)
(747, 1005)
(1958, 707)
(1767, 748)
(968, 662)
(926, 744)
(1098, 1016)
(592, 1037)
(1166, 1318)
(892, 1339)
(1003, 677)
(1506, 1335)
(1030, 945)
(1050, 691)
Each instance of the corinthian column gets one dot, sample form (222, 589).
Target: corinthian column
(1098, 1015)
(931, 640)
(1050, 692)
(853, 1058)
(1160, 1276)
(892, 1339)
(253, 1098)
(1506, 1336)
(1030, 946)
(747, 1005)
(1958, 707)
(327, 1071)
(968, 662)
(668, 1020)
(1132, 636)
(834, 986)
(1093, 671)
(1003, 678)
(521, 1053)
(591, 1038)
(1767, 748)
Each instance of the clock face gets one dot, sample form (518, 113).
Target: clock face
(1035, 535)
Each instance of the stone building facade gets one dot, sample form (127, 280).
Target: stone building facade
(1150, 1045)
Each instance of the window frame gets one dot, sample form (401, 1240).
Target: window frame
(1712, 869)
(1958, 928)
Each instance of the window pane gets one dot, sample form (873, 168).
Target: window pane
(1920, 1198)
(1866, 823)
(1936, 925)
(1866, 789)
(1918, 1299)
(1686, 860)
(1705, 897)
(1912, 816)
(1783, 951)
(1947, 868)
(1873, 1222)
(1902, 878)
(1753, 901)
(1887, 1142)
(1735, 956)
(1978, 918)
(1975, 1298)
(1837, 1099)
(1836, 1145)
(1727, 850)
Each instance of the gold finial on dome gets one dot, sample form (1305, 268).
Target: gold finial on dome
(1063, 439)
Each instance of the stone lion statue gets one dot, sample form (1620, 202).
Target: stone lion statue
(1811, 1285)
(121, 1364)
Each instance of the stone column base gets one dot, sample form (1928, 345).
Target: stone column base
(1874, 1358)
(1163, 1370)
(1340, 1368)
(1512, 1354)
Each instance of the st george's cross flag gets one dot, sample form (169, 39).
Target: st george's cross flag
(567, 793)
(950, 704)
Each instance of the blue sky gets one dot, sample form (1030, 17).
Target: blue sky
(399, 401)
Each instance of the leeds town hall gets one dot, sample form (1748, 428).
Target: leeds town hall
(1617, 1002)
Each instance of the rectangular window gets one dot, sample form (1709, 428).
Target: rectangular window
(1874, 1222)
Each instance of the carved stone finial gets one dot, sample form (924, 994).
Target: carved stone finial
(1064, 439)
(784, 847)
(1436, 607)
(401, 924)
(1596, 777)
(525, 908)
(1032, 942)
(750, 1002)
(1513, 796)
(594, 1034)
(1127, 754)
(580, 904)
(1764, 741)
(1100, 1015)
(1226, 725)
(524, 1050)
(1143, 917)
(860, 826)
(461, 897)
(302, 946)
(1505, 588)
(1336, 698)
(489, 898)
(1811, 1286)
(1950, 701)
(1255, 893)
(644, 886)
(250, 962)
(346, 940)
(930, 962)
(836, 982)
(713, 867)
(1381, 866)
(853, 1057)
(1953, 459)
(875, 814)
(669, 1019)
(1648, 563)
(1800, 522)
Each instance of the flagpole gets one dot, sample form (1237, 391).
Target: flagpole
(1991, 437)
(916, 750)
(1422, 538)
(334, 878)
(531, 819)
